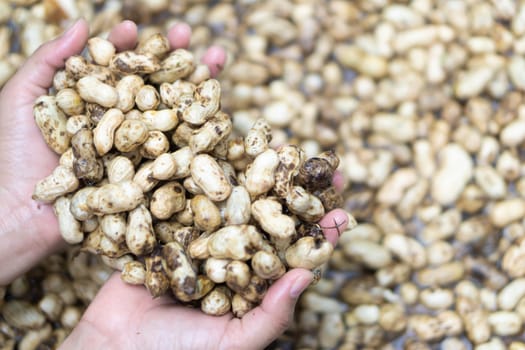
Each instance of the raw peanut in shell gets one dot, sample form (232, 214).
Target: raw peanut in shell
(330, 198)
(140, 237)
(95, 112)
(202, 287)
(167, 200)
(238, 275)
(206, 215)
(70, 228)
(143, 177)
(147, 98)
(114, 226)
(130, 135)
(198, 248)
(67, 158)
(59, 183)
(22, 315)
(308, 253)
(200, 74)
(290, 161)
(70, 102)
(79, 68)
(174, 165)
(255, 291)
(127, 89)
(51, 305)
(184, 235)
(156, 280)
(95, 91)
(215, 269)
(133, 272)
(260, 174)
(100, 50)
(104, 132)
(211, 133)
(182, 135)
(157, 45)
(63, 80)
(165, 230)
(267, 265)
(86, 166)
(115, 198)
(217, 302)
(179, 269)
(130, 62)
(240, 306)
(317, 172)
(206, 103)
(171, 94)
(77, 122)
(238, 208)
(190, 186)
(177, 65)
(268, 213)
(185, 216)
(90, 224)
(161, 120)
(52, 123)
(116, 263)
(120, 169)
(258, 137)
(305, 205)
(209, 176)
(79, 207)
(98, 243)
(235, 242)
(156, 144)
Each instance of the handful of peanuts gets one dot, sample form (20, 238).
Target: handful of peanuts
(152, 179)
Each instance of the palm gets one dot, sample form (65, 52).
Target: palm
(127, 317)
(132, 313)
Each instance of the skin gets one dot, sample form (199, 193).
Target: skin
(121, 315)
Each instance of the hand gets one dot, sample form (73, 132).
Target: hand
(29, 230)
(126, 317)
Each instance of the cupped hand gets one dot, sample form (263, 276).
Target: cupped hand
(29, 230)
(126, 317)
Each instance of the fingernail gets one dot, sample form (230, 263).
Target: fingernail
(300, 285)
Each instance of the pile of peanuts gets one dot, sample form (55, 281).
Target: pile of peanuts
(40, 308)
(423, 102)
(151, 178)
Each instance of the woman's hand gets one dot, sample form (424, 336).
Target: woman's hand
(123, 316)
(29, 230)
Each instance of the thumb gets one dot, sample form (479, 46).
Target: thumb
(269, 320)
(36, 75)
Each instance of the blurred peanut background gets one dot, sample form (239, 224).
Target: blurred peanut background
(423, 102)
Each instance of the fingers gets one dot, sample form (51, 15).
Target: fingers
(124, 35)
(214, 58)
(334, 223)
(179, 36)
(36, 75)
(269, 320)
